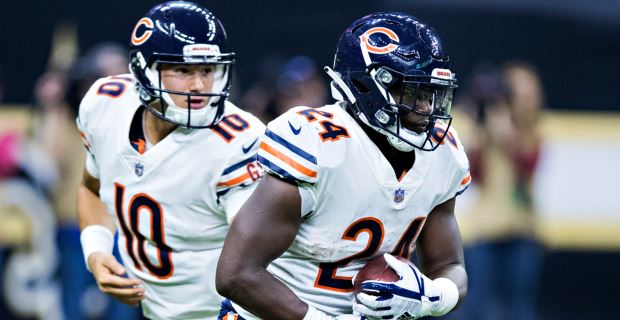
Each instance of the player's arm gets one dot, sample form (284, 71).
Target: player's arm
(97, 238)
(432, 290)
(440, 248)
(91, 211)
(263, 229)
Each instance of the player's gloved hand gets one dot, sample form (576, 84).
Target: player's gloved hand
(412, 297)
(109, 274)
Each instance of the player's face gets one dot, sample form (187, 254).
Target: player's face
(421, 100)
(190, 78)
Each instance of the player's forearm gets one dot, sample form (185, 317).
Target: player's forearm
(91, 210)
(259, 292)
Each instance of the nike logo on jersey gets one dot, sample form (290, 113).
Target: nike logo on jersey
(247, 149)
(295, 131)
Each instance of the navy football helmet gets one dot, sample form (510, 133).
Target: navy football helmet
(384, 53)
(179, 32)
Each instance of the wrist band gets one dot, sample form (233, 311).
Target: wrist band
(449, 293)
(96, 238)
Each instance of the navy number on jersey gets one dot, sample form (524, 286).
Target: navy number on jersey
(327, 277)
(143, 203)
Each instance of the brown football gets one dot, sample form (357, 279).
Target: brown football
(376, 269)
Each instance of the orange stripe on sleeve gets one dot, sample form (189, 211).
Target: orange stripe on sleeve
(466, 180)
(234, 181)
(287, 160)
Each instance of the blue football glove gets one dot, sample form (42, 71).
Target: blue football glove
(411, 297)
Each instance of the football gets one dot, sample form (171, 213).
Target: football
(376, 269)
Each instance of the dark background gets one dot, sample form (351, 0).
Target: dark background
(574, 43)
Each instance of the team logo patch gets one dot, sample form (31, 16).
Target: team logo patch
(146, 34)
(139, 169)
(370, 45)
(399, 195)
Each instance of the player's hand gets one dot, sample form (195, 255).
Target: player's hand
(109, 274)
(410, 297)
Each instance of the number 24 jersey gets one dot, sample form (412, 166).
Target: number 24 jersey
(354, 207)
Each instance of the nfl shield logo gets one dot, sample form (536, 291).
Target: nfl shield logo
(139, 169)
(399, 195)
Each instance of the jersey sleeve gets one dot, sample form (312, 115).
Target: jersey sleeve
(289, 149)
(239, 177)
(461, 177)
(85, 121)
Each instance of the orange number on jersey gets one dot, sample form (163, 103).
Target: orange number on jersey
(113, 88)
(327, 278)
(139, 202)
(228, 124)
(439, 134)
(332, 132)
(253, 170)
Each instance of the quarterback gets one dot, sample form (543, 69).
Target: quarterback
(169, 162)
(376, 173)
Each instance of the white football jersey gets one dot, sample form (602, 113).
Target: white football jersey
(354, 207)
(171, 203)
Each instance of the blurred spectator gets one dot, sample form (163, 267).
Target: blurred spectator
(104, 59)
(298, 82)
(504, 258)
(57, 96)
(28, 252)
(40, 169)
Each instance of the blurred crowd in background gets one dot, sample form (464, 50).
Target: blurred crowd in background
(499, 115)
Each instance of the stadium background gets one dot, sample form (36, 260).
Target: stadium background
(574, 44)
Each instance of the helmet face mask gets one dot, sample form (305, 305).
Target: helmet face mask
(181, 33)
(391, 63)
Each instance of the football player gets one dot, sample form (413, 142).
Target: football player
(169, 162)
(376, 173)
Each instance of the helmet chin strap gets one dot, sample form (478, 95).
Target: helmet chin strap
(403, 146)
(399, 144)
(199, 117)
